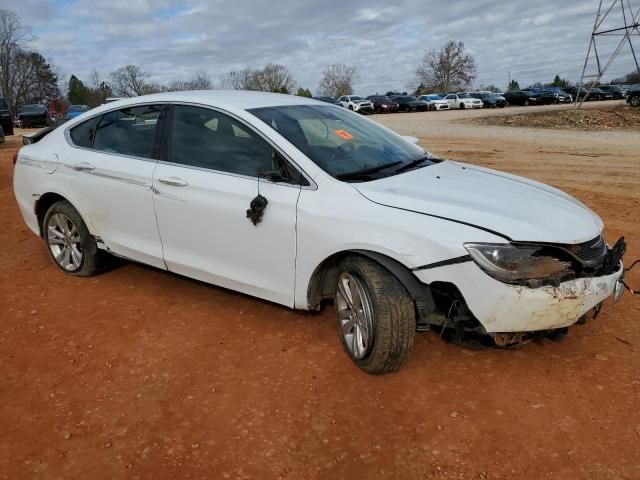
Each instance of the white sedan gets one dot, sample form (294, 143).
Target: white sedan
(297, 201)
(436, 102)
(462, 101)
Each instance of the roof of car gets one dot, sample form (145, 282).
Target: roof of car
(231, 99)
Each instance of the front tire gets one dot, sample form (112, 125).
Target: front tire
(70, 245)
(375, 316)
(462, 107)
(634, 101)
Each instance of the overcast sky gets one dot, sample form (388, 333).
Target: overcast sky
(532, 39)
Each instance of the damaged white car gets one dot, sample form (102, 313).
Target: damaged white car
(297, 202)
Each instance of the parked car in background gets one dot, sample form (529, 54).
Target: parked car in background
(6, 122)
(74, 110)
(410, 103)
(599, 94)
(383, 104)
(490, 99)
(436, 102)
(633, 95)
(330, 100)
(557, 95)
(616, 90)
(578, 94)
(30, 116)
(337, 207)
(356, 103)
(462, 100)
(523, 98)
(625, 89)
(543, 95)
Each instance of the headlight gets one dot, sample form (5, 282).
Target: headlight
(511, 263)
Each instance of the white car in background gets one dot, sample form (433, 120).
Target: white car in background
(463, 100)
(356, 103)
(298, 202)
(436, 102)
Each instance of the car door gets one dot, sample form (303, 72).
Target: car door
(206, 190)
(109, 172)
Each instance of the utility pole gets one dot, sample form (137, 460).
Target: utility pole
(626, 27)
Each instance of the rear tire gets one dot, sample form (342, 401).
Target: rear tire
(371, 301)
(634, 100)
(69, 244)
(462, 107)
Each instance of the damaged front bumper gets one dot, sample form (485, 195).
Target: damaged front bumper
(504, 308)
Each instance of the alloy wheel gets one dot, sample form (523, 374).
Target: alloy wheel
(355, 315)
(63, 239)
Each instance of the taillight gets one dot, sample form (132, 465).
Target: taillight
(15, 157)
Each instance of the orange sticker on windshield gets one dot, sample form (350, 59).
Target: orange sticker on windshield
(344, 134)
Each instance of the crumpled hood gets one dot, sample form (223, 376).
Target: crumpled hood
(515, 207)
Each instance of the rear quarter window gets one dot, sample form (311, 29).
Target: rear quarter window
(82, 135)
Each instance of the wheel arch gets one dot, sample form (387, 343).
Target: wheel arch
(323, 280)
(44, 203)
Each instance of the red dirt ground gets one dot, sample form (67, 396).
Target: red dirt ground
(139, 373)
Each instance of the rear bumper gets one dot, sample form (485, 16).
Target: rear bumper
(502, 307)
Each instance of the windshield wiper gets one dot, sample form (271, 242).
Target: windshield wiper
(411, 164)
(366, 172)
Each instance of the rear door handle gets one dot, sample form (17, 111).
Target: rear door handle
(173, 181)
(83, 167)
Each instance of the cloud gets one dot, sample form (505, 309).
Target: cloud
(174, 39)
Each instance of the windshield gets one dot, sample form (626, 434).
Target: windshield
(77, 108)
(434, 97)
(355, 98)
(464, 95)
(340, 142)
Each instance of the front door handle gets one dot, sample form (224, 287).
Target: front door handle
(83, 167)
(173, 181)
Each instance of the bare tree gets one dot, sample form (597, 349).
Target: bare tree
(13, 36)
(200, 81)
(98, 90)
(274, 78)
(239, 80)
(129, 81)
(447, 69)
(337, 80)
